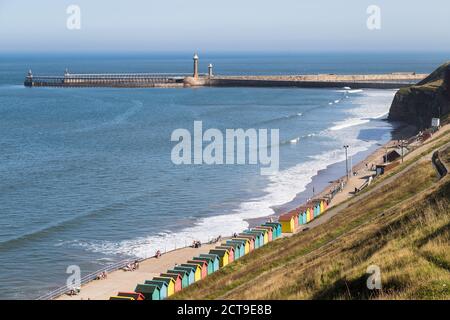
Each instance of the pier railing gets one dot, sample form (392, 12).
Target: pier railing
(85, 279)
(105, 79)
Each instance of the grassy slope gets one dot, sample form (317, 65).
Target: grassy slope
(404, 228)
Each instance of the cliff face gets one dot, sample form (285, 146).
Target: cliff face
(430, 98)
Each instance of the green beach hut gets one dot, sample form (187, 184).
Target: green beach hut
(162, 287)
(170, 284)
(190, 273)
(214, 259)
(150, 292)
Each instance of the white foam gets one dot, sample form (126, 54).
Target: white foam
(348, 123)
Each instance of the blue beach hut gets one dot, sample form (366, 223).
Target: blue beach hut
(190, 272)
(161, 285)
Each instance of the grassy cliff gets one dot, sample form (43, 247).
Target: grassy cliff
(402, 225)
(417, 104)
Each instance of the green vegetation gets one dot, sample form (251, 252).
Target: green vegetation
(403, 227)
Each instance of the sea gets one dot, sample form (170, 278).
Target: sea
(86, 176)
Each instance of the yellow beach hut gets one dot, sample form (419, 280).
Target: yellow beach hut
(287, 223)
(170, 284)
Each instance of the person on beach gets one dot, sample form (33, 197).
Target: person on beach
(158, 254)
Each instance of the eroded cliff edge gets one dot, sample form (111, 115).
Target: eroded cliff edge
(430, 98)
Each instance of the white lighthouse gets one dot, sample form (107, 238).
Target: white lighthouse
(195, 66)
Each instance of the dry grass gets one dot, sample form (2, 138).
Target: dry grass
(403, 228)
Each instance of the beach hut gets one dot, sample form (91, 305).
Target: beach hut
(162, 287)
(269, 231)
(134, 295)
(265, 232)
(150, 292)
(177, 278)
(197, 270)
(277, 227)
(294, 214)
(215, 260)
(251, 238)
(223, 256)
(258, 238)
(287, 223)
(309, 215)
(247, 243)
(203, 266)
(304, 221)
(190, 273)
(239, 248)
(231, 252)
(184, 276)
(170, 284)
(121, 298)
(207, 261)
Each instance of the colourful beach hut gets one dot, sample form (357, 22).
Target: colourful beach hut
(304, 217)
(277, 227)
(190, 273)
(265, 234)
(247, 241)
(184, 276)
(287, 223)
(134, 295)
(170, 284)
(215, 259)
(231, 252)
(223, 256)
(162, 287)
(197, 270)
(150, 292)
(203, 265)
(207, 261)
(256, 238)
(239, 248)
(177, 278)
(309, 215)
(269, 231)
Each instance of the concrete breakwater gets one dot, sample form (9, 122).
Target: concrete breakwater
(378, 81)
(375, 81)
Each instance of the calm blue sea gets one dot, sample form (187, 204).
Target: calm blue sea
(86, 176)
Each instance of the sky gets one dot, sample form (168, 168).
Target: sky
(224, 26)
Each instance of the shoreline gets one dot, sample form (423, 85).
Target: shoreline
(326, 179)
(120, 280)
